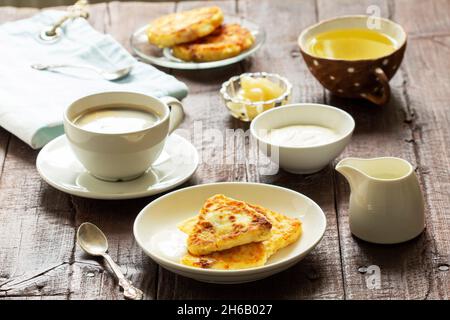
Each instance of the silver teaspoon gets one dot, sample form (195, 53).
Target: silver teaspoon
(107, 75)
(93, 241)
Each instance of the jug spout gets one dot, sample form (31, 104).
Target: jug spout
(351, 169)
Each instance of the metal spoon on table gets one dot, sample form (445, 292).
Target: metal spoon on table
(93, 241)
(109, 75)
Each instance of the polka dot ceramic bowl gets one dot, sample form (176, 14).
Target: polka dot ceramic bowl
(367, 79)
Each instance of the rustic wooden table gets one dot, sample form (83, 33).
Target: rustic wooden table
(38, 255)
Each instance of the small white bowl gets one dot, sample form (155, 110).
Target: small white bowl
(310, 159)
(156, 232)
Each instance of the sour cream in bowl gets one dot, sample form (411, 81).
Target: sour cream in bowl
(303, 138)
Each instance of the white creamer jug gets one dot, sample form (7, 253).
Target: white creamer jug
(386, 203)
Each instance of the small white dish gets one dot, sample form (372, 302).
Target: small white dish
(248, 110)
(156, 232)
(59, 167)
(303, 159)
(164, 58)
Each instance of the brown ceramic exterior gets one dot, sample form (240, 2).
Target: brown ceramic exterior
(367, 79)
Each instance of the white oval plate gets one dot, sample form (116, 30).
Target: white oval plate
(164, 58)
(156, 232)
(58, 166)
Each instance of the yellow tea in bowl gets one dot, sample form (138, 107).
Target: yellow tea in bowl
(351, 60)
(351, 44)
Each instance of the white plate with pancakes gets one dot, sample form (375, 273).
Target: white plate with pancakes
(163, 57)
(156, 228)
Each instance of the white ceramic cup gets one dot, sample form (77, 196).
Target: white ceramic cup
(121, 156)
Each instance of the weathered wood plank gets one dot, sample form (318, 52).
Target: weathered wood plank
(327, 9)
(319, 275)
(320, 272)
(38, 258)
(13, 245)
(37, 221)
(36, 236)
(380, 131)
(426, 17)
(55, 297)
(36, 229)
(427, 88)
(126, 17)
(205, 111)
(12, 13)
(99, 16)
(115, 218)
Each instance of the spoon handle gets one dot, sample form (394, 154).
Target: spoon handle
(40, 66)
(129, 291)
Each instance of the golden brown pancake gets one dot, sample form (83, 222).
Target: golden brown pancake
(241, 257)
(224, 223)
(225, 42)
(285, 230)
(183, 27)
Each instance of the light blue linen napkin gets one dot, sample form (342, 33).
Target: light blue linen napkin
(32, 101)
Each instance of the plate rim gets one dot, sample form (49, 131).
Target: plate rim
(99, 196)
(201, 65)
(240, 272)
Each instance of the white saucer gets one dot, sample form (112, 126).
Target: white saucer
(59, 167)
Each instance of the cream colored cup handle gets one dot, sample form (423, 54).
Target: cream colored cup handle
(176, 112)
(385, 94)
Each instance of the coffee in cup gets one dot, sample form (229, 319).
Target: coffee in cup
(116, 119)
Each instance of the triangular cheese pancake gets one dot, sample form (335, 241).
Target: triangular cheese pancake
(285, 230)
(241, 257)
(224, 223)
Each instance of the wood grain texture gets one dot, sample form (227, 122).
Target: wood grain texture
(422, 18)
(38, 255)
(405, 268)
(115, 218)
(126, 17)
(427, 92)
(319, 275)
(36, 229)
(90, 280)
(380, 131)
